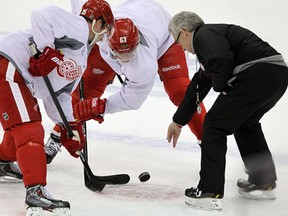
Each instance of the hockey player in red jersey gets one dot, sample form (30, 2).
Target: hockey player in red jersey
(148, 50)
(62, 40)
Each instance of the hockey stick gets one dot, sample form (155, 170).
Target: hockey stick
(90, 181)
(120, 78)
(112, 179)
(85, 150)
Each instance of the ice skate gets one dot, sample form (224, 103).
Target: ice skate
(258, 192)
(52, 147)
(203, 200)
(10, 172)
(39, 202)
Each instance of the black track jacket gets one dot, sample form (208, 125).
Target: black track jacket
(221, 50)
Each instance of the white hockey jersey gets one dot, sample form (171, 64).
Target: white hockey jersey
(59, 29)
(152, 22)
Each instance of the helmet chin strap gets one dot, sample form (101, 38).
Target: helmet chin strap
(96, 34)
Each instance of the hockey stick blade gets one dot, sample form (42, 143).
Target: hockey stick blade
(113, 179)
(94, 185)
(90, 181)
(110, 179)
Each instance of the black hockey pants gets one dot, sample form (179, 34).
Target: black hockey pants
(256, 90)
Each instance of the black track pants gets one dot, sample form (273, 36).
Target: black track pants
(256, 90)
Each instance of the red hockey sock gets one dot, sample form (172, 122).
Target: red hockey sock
(32, 161)
(29, 141)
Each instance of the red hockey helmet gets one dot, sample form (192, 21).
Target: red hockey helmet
(95, 9)
(124, 40)
(125, 37)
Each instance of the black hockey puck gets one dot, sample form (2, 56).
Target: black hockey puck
(143, 177)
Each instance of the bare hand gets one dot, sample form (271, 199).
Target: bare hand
(173, 133)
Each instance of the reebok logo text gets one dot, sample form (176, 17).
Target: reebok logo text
(173, 67)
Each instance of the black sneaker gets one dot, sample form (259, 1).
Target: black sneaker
(52, 146)
(259, 192)
(203, 200)
(38, 199)
(10, 172)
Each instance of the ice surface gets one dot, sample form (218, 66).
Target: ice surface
(133, 142)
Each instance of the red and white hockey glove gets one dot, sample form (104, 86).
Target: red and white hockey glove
(90, 109)
(75, 143)
(47, 61)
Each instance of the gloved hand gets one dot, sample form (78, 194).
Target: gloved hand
(75, 143)
(47, 61)
(90, 109)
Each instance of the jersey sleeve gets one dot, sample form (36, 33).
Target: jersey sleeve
(140, 76)
(42, 28)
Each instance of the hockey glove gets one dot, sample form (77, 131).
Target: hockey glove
(90, 109)
(75, 143)
(45, 63)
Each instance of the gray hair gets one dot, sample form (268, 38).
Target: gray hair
(184, 20)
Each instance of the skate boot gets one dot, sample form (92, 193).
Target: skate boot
(10, 172)
(39, 200)
(258, 192)
(52, 146)
(203, 200)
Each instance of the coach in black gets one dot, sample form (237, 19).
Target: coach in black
(250, 76)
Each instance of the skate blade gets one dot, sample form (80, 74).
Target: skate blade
(258, 194)
(9, 179)
(61, 212)
(204, 203)
(38, 211)
(34, 211)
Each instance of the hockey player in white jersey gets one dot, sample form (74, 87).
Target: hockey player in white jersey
(140, 47)
(63, 41)
(149, 49)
